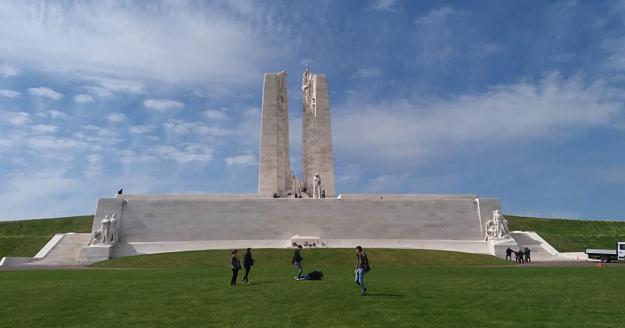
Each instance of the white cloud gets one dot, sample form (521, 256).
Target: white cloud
(216, 115)
(198, 128)
(140, 129)
(101, 92)
(83, 99)
(438, 15)
(15, 118)
(367, 73)
(54, 114)
(162, 104)
(411, 131)
(50, 143)
(45, 92)
(43, 128)
(116, 118)
(8, 71)
(132, 40)
(246, 159)
(186, 153)
(9, 93)
(383, 4)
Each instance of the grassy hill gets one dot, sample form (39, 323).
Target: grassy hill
(407, 288)
(571, 235)
(26, 238)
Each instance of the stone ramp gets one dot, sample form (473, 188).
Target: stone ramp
(64, 251)
(541, 250)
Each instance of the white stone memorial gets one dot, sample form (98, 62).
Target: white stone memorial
(141, 224)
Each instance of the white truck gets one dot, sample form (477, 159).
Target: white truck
(608, 255)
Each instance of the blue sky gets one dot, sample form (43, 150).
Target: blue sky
(518, 100)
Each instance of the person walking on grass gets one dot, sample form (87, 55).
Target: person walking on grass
(248, 261)
(236, 266)
(297, 261)
(361, 269)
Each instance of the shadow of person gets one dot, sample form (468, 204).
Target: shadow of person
(384, 295)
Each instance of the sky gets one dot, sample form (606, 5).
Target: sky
(520, 100)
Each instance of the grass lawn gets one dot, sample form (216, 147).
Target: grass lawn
(26, 238)
(572, 235)
(408, 288)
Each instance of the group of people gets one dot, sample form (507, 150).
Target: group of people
(521, 256)
(362, 267)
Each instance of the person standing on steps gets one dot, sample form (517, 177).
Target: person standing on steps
(297, 261)
(248, 261)
(236, 266)
(361, 269)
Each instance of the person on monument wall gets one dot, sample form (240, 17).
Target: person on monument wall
(297, 261)
(248, 261)
(236, 266)
(362, 267)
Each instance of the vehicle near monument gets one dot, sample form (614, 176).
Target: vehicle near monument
(608, 255)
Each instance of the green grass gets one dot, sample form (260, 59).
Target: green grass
(408, 288)
(572, 235)
(26, 238)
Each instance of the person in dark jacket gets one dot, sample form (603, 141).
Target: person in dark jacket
(248, 261)
(236, 266)
(527, 252)
(362, 267)
(509, 254)
(297, 261)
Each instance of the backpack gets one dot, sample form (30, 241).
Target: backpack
(316, 275)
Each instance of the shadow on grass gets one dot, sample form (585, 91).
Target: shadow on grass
(384, 295)
(254, 283)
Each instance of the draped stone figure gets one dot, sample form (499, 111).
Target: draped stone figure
(317, 186)
(496, 227)
(114, 223)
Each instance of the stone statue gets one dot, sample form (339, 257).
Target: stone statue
(497, 226)
(114, 229)
(501, 224)
(317, 186)
(101, 235)
(307, 86)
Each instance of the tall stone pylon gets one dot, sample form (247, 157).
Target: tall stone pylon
(274, 167)
(317, 133)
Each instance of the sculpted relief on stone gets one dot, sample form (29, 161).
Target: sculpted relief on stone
(497, 226)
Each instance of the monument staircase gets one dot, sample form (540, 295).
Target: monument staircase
(63, 251)
(541, 250)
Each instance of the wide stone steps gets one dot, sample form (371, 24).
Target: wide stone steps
(65, 252)
(538, 252)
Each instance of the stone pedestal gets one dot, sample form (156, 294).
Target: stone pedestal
(92, 254)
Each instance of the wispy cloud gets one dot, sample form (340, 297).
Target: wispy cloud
(368, 72)
(212, 114)
(116, 118)
(162, 104)
(8, 71)
(186, 153)
(9, 93)
(245, 159)
(436, 16)
(83, 99)
(125, 40)
(383, 4)
(15, 118)
(401, 130)
(45, 92)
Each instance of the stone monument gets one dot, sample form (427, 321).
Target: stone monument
(317, 133)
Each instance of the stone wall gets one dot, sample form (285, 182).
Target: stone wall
(184, 221)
